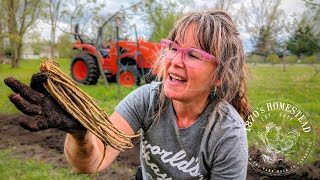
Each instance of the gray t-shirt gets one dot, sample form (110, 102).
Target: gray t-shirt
(213, 147)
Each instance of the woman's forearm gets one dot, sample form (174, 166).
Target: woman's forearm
(83, 153)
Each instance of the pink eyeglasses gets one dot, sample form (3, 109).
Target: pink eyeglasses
(190, 56)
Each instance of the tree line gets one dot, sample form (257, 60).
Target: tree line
(270, 28)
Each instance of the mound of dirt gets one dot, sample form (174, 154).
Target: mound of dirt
(307, 171)
(47, 146)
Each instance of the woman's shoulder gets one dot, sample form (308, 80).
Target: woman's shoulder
(225, 128)
(225, 120)
(228, 115)
(225, 124)
(145, 91)
(146, 94)
(152, 87)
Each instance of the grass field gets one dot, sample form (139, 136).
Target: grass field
(296, 85)
(12, 168)
(108, 97)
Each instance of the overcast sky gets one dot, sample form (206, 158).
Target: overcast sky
(290, 6)
(112, 6)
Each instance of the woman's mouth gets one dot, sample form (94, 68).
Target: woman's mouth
(174, 77)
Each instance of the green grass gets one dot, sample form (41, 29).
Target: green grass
(295, 85)
(12, 168)
(108, 97)
(266, 82)
(298, 86)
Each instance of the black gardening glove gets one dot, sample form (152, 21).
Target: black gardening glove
(35, 101)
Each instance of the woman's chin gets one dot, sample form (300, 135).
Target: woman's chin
(171, 94)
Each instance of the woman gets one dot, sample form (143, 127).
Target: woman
(192, 121)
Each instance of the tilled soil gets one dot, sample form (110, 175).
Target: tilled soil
(47, 146)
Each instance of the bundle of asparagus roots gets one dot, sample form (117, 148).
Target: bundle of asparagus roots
(83, 108)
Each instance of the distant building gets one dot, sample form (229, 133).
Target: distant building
(29, 53)
(45, 52)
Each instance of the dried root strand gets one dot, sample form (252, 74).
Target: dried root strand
(83, 108)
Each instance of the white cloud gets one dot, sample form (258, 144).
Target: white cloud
(293, 6)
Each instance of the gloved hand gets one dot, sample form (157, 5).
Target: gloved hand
(36, 102)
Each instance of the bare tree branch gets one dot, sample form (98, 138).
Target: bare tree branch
(115, 14)
(311, 2)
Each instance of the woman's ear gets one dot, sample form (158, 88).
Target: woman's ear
(217, 83)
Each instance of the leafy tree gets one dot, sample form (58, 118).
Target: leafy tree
(64, 45)
(254, 58)
(53, 13)
(273, 58)
(225, 4)
(303, 41)
(162, 15)
(312, 2)
(310, 59)
(58, 12)
(266, 43)
(20, 16)
(264, 21)
(291, 59)
(2, 30)
(311, 18)
(33, 39)
(305, 34)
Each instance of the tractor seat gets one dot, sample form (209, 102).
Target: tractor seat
(104, 53)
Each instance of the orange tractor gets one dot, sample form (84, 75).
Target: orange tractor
(126, 66)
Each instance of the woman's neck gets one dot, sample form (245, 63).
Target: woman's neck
(188, 112)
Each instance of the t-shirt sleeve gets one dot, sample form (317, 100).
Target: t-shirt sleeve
(231, 158)
(133, 108)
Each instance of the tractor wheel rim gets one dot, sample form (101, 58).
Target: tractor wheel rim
(126, 78)
(80, 70)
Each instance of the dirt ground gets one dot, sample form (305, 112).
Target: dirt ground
(47, 146)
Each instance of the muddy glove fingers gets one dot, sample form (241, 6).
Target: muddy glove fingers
(48, 114)
(45, 110)
(24, 106)
(34, 124)
(40, 123)
(37, 81)
(53, 116)
(25, 91)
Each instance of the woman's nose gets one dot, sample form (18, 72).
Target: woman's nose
(178, 59)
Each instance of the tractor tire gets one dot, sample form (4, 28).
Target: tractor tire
(84, 69)
(129, 76)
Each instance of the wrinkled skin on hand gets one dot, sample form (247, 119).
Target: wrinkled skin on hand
(35, 101)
